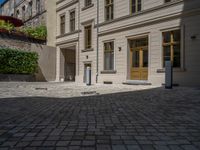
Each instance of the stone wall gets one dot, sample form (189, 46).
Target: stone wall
(47, 54)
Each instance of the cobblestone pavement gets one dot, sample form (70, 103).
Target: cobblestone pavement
(61, 90)
(139, 120)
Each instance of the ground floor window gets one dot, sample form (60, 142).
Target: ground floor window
(109, 56)
(171, 48)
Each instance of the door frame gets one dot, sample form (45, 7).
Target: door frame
(135, 37)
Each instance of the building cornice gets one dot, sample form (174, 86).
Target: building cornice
(166, 5)
(67, 5)
(67, 41)
(67, 34)
(150, 21)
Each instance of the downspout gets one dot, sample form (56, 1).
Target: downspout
(78, 60)
(97, 59)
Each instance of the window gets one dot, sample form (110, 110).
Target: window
(88, 37)
(23, 13)
(17, 13)
(72, 21)
(136, 6)
(62, 24)
(88, 3)
(109, 56)
(30, 9)
(171, 48)
(38, 6)
(109, 8)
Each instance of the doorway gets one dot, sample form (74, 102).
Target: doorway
(85, 70)
(139, 59)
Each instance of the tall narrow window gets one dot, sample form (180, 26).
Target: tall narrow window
(17, 13)
(38, 6)
(62, 24)
(171, 48)
(88, 3)
(23, 13)
(136, 6)
(109, 10)
(72, 21)
(88, 37)
(109, 56)
(30, 4)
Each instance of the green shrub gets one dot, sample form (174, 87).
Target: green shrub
(39, 32)
(6, 25)
(18, 62)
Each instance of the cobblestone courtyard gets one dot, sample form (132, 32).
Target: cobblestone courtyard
(148, 119)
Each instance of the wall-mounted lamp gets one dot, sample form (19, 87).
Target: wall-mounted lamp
(120, 49)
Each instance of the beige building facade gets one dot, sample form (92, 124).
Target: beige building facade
(128, 41)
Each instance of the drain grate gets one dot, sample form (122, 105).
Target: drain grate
(89, 93)
(45, 89)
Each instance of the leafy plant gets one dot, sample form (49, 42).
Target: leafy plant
(18, 62)
(6, 25)
(39, 32)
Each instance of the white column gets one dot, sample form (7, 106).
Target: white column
(58, 64)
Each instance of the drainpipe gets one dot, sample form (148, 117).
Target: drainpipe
(97, 59)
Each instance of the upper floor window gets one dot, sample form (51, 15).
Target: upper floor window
(171, 47)
(88, 37)
(38, 6)
(88, 3)
(109, 10)
(62, 24)
(136, 6)
(72, 20)
(30, 4)
(109, 56)
(23, 13)
(17, 13)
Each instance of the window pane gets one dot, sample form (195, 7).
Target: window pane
(145, 58)
(176, 35)
(167, 37)
(167, 54)
(176, 62)
(133, 6)
(109, 56)
(139, 5)
(135, 58)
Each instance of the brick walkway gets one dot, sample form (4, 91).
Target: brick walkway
(140, 120)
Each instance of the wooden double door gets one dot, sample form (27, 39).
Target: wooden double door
(139, 59)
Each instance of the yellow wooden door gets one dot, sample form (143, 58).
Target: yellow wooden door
(139, 63)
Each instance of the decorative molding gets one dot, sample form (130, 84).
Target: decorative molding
(67, 34)
(67, 5)
(87, 50)
(140, 13)
(67, 41)
(87, 22)
(87, 7)
(108, 72)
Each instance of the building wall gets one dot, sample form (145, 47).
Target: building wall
(155, 18)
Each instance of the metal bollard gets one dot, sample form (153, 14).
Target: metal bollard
(88, 76)
(168, 75)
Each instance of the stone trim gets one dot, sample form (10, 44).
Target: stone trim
(87, 50)
(67, 34)
(140, 13)
(67, 5)
(108, 72)
(67, 41)
(87, 22)
(149, 22)
(87, 7)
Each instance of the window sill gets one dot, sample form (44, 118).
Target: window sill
(67, 34)
(108, 72)
(174, 70)
(87, 50)
(87, 7)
